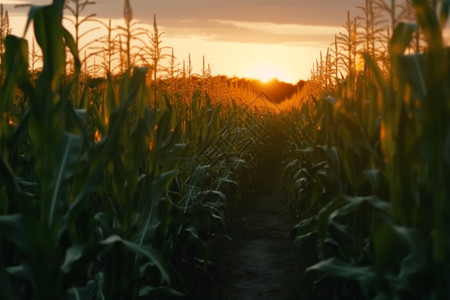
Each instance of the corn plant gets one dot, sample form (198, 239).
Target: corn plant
(110, 185)
(5, 30)
(50, 225)
(375, 177)
(156, 53)
(128, 34)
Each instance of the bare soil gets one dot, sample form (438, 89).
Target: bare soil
(259, 261)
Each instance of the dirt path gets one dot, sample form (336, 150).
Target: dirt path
(262, 264)
(259, 261)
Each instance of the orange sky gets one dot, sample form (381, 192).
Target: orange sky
(244, 38)
(264, 38)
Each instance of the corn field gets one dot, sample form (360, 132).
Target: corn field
(115, 186)
(367, 166)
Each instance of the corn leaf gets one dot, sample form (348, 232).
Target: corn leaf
(66, 163)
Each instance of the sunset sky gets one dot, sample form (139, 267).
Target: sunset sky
(246, 38)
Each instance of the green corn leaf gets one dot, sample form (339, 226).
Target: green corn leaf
(20, 133)
(12, 227)
(340, 268)
(74, 254)
(8, 180)
(6, 288)
(163, 127)
(110, 103)
(374, 178)
(401, 258)
(15, 66)
(76, 120)
(430, 24)
(150, 292)
(137, 150)
(354, 202)
(193, 232)
(148, 252)
(385, 248)
(379, 78)
(19, 271)
(337, 267)
(47, 106)
(413, 67)
(59, 4)
(323, 216)
(70, 42)
(49, 35)
(69, 156)
(100, 121)
(445, 10)
(31, 15)
(216, 193)
(84, 99)
(154, 197)
(77, 293)
(300, 239)
(100, 154)
(80, 253)
(304, 229)
(447, 145)
(401, 38)
(125, 83)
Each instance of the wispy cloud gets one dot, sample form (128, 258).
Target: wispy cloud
(306, 12)
(252, 32)
(318, 12)
(247, 21)
(288, 29)
(15, 2)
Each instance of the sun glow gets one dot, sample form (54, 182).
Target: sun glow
(267, 73)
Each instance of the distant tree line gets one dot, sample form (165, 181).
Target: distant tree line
(276, 91)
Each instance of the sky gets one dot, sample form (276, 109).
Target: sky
(244, 38)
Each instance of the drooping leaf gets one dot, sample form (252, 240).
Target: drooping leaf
(146, 251)
(337, 267)
(401, 38)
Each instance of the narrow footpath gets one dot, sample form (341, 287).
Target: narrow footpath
(258, 262)
(262, 266)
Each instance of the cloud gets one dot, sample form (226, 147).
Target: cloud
(252, 32)
(14, 2)
(249, 21)
(11, 4)
(317, 12)
(265, 32)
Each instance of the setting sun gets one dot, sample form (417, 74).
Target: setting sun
(267, 73)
